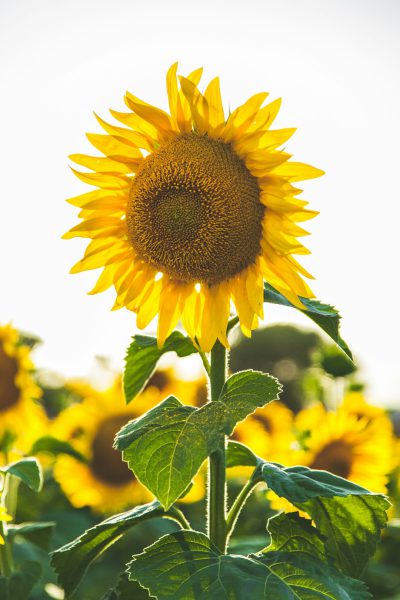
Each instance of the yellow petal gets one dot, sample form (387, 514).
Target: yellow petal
(132, 138)
(101, 164)
(108, 181)
(172, 90)
(266, 115)
(157, 117)
(296, 171)
(112, 147)
(214, 101)
(104, 282)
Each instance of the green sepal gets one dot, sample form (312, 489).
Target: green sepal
(323, 315)
(167, 446)
(143, 355)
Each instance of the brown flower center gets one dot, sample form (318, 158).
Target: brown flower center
(194, 210)
(9, 392)
(107, 464)
(159, 380)
(336, 457)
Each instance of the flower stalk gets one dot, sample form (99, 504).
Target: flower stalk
(217, 490)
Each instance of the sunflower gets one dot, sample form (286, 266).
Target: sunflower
(357, 449)
(104, 482)
(268, 431)
(18, 392)
(193, 211)
(3, 517)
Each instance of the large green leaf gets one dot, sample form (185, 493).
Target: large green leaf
(28, 470)
(142, 357)
(350, 517)
(71, 561)
(20, 584)
(187, 566)
(166, 447)
(323, 315)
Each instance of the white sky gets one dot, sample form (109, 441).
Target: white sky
(334, 62)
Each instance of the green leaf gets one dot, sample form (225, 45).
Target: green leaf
(292, 533)
(50, 444)
(127, 590)
(20, 584)
(28, 470)
(350, 517)
(37, 533)
(239, 455)
(187, 566)
(166, 447)
(142, 357)
(72, 560)
(323, 315)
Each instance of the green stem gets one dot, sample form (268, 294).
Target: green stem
(238, 505)
(177, 515)
(205, 362)
(217, 471)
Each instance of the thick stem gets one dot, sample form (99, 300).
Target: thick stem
(217, 470)
(238, 505)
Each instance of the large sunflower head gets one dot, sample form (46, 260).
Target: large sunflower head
(18, 391)
(193, 210)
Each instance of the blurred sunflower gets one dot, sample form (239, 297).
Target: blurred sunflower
(3, 517)
(18, 392)
(354, 442)
(104, 482)
(268, 431)
(193, 211)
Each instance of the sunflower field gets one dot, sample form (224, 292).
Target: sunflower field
(227, 457)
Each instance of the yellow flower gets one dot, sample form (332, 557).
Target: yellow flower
(105, 482)
(193, 211)
(3, 517)
(355, 445)
(268, 431)
(20, 414)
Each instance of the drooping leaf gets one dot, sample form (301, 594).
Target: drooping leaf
(186, 566)
(166, 447)
(37, 533)
(28, 470)
(55, 446)
(71, 561)
(20, 584)
(350, 517)
(323, 315)
(292, 533)
(142, 357)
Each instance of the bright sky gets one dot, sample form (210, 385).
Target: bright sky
(334, 62)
